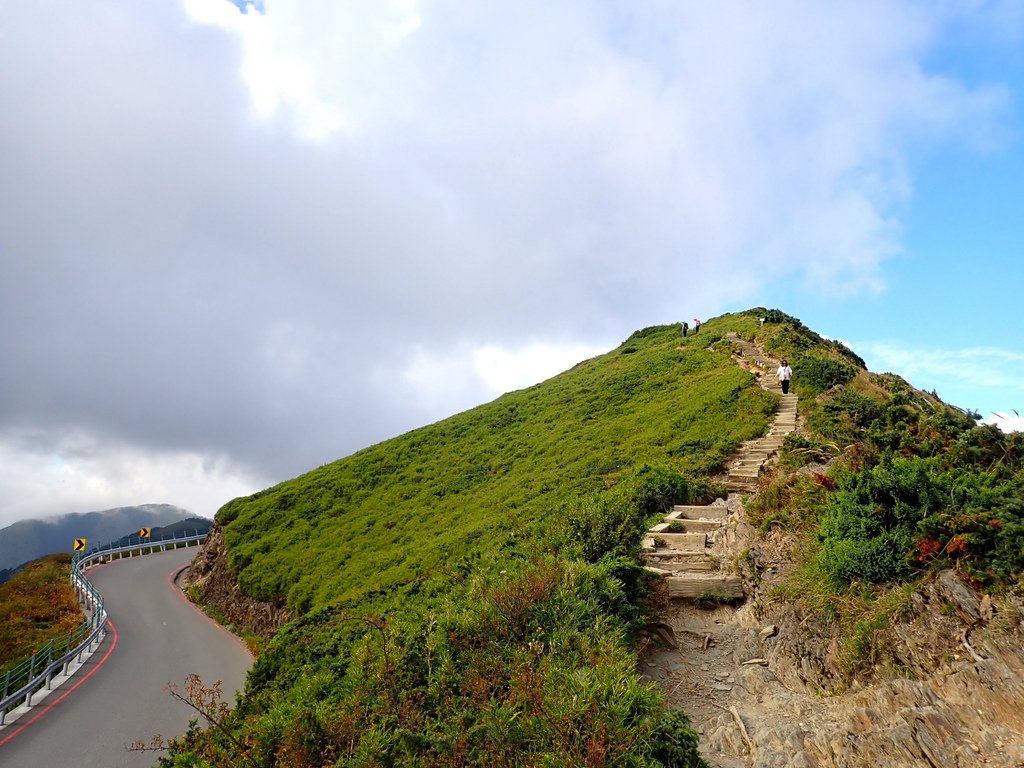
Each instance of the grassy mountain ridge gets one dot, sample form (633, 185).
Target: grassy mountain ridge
(468, 593)
(387, 515)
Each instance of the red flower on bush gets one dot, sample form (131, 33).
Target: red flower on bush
(957, 544)
(825, 481)
(927, 548)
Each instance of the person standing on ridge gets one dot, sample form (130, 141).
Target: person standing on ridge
(685, 328)
(784, 374)
(696, 326)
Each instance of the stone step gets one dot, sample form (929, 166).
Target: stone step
(689, 585)
(688, 512)
(689, 526)
(678, 542)
(748, 467)
(749, 457)
(680, 561)
(751, 472)
(741, 484)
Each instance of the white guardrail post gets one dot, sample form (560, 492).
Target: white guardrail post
(22, 680)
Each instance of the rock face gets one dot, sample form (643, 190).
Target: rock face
(958, 699)
(210, 576)
(960, 702)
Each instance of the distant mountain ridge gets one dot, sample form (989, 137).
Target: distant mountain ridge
(187, 527)
(28, 540)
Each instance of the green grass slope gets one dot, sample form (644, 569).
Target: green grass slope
(468, 593)
(385, 517)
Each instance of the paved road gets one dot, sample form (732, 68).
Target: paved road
(158, 637)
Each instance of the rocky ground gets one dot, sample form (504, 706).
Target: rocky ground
(210, 579)
(763, 683)
(945, 687)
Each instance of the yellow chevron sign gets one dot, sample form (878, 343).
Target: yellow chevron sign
(80, 545)
(144, 533)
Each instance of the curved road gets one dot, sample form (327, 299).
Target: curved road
(157, 637)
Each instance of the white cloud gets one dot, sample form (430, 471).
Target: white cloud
(1008, 422)
(446, 383)
(278, 238)
(43, 475)
(504, 370)
(961, 376)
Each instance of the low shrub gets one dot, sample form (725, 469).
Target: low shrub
(869, 523)
(530, 668)
(814, 373)
(907, 513)
(613, 523)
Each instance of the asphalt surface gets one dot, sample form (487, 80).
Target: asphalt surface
(157, 638)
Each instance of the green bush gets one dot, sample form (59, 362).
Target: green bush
(613, 523)
(529, 666)
(870, 523)
(778, 316)
(814, 373)
(908, 513)
(859, 409)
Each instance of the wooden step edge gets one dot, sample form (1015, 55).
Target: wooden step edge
(697, 585)
(699, 513)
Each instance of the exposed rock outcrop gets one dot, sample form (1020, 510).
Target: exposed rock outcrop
(211, 578)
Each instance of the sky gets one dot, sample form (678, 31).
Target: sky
(237, 246)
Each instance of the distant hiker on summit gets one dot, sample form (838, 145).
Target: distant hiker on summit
(785, 373)
(696, 326)
(685, 328)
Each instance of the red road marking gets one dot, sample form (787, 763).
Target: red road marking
(51, 705)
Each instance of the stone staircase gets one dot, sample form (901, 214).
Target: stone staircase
(746, 469)
(687, 549)
(690, 546)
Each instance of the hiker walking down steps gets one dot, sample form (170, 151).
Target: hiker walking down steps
(784, 374)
